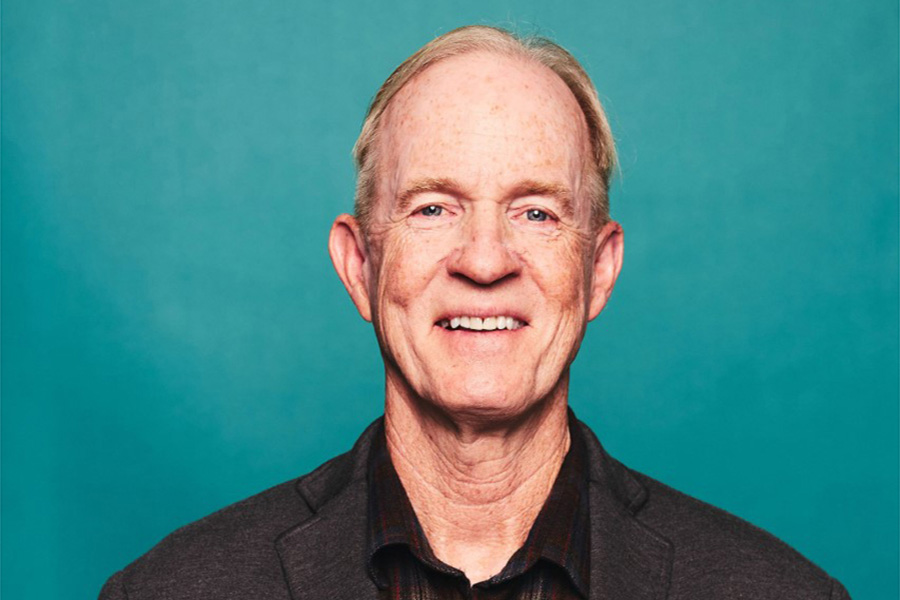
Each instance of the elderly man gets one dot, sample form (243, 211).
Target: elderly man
(481, 247)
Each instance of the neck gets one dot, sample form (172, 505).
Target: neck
(476, 486)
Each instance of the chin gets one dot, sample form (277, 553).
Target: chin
(485, 402)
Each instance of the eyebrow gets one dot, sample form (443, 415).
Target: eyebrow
(528, 187)
(561, 193)
(426, 185)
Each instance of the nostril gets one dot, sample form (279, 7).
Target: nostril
(484, 268)
(483, 255)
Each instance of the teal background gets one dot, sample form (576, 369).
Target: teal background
(174, 338)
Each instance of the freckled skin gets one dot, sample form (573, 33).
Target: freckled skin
(488, 123)
(479, 211)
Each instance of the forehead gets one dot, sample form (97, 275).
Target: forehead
(483, 118)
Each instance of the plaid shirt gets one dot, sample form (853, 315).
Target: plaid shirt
(553, 564)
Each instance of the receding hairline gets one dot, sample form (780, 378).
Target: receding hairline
(405, 93)
(484, 39)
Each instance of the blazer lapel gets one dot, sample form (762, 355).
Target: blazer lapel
(628, 559)
(325, 556)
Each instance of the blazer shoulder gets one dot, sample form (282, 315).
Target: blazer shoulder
(719, 555)
(229, 553)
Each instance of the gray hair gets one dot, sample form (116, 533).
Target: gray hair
(475, 38)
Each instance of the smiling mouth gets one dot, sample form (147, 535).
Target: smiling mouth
(482, 324)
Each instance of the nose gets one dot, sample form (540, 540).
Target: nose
(484, 255)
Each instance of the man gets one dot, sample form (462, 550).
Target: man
(481, 247)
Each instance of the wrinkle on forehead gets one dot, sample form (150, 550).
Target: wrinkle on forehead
(484, 115)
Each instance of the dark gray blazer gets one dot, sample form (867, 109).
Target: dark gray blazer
(305, 540)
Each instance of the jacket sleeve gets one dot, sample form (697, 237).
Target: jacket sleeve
(114, 589)
(838, 592)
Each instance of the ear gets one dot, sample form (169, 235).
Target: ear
(349, 254)
(608, 250)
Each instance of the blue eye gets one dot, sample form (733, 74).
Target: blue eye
(431, 211)
(537, 215)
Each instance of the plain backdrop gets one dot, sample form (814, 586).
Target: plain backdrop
(174, 338)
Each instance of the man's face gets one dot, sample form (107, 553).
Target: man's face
(481, 258)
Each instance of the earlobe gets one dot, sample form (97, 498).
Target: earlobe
(347, 247)
(608, 254)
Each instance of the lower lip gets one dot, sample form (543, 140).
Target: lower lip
(480, 345)
(480, 331)
(481, 339)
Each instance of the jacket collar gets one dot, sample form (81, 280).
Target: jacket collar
(325, 555)
(628, 559)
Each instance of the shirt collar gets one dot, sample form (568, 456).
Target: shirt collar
(560, 534)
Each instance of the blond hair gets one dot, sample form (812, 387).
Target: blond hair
(475, 38)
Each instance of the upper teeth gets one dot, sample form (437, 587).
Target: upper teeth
(482, 324)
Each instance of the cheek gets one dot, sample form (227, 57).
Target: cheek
(408, 264)
(395, 282)
(559, 270)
